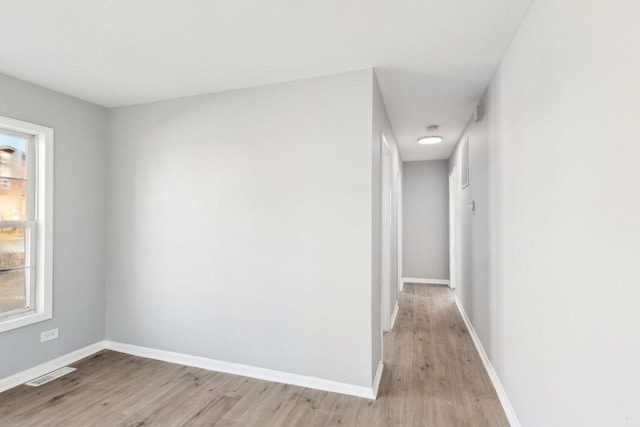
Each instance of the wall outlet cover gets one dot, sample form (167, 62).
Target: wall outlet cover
(49, 335)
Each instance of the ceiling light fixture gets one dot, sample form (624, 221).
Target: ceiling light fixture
(427, 140)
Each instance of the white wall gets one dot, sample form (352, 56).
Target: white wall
(554, 172)
(240, 227)
(78, 226)
(426, 219)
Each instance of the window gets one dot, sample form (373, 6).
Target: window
(26, 214)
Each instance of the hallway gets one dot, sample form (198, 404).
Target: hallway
(432, 377)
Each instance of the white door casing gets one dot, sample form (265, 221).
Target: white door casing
(453, 279)
(386, 218)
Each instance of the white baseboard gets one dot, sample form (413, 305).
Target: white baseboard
(198, 362)
(495, 380)
(244, 370)
(394, 315)
(57, 363)
(424, 281)
(378, 378)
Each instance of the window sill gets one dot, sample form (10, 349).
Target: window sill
(23, 319)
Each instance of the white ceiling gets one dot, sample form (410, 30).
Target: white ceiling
(433, 57)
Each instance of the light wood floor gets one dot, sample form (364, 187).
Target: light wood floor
(432, 377)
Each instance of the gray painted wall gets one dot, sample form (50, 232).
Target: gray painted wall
(554, 172)
(425, 221)
(472, 240)
(79, 224)
(240, 227)
(473, 286)
(381, 125)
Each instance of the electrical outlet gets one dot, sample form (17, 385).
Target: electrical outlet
(49, 335)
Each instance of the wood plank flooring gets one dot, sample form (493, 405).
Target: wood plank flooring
(433, 377)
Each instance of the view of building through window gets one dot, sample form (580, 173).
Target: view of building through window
(14, 272)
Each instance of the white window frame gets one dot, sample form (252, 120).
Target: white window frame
(41, 194)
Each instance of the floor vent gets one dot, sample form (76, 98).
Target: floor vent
(37, 382)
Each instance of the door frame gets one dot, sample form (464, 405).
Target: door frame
(386, 235)
(399, 231)
(453, 264)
